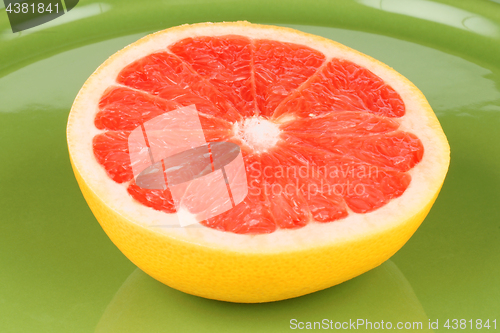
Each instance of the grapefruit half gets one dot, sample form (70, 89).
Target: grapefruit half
(344, 158)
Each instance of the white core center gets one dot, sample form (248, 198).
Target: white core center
(259, 133)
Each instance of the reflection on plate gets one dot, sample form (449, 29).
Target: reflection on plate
(143, 304)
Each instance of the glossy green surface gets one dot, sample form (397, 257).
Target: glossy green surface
(59, 271)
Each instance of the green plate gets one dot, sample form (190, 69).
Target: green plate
(59, 271)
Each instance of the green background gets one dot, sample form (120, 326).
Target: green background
(60, 273)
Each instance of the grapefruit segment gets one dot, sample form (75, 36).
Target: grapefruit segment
(253, 214)
(166, 76)
(299, 188)
(280, 68)
(364, 187)
(325, 206)
(343, 86)
(160, 200)
(287, 204)
(226, 63)
(122, 108)
(111, 151)
(343, 159)
(125, 109)
(398, 150)
(347, 123)
(365, 192)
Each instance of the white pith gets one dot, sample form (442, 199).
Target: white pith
(427, 175)
(258, 133)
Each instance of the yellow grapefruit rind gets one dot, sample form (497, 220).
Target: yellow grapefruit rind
(256, 268)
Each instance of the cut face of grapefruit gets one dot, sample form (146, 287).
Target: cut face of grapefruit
(343, 158)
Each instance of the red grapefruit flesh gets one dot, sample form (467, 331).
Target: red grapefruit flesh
(342, 124)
